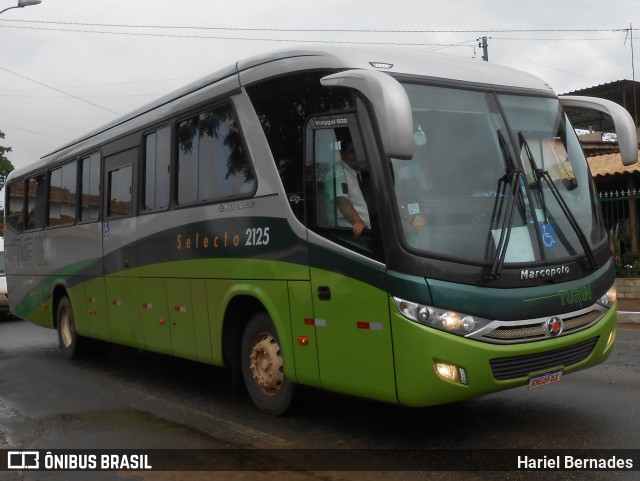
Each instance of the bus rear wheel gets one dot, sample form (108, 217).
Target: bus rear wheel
(68, 339)
(263, 368)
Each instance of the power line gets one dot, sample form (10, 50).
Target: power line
(114, 96)
(324, 41)
(216, 37)
(319, 30)
(566, 39)
(434, 46)
(465, 43)
(35, 132)
(10, 92)
(59, 91)
(520, 57)
(48, 124)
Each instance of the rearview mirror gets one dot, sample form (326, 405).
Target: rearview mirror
(390, 105)
(624, 124)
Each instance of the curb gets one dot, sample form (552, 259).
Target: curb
(628, 317)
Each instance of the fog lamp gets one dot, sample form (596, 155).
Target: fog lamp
(447, 371)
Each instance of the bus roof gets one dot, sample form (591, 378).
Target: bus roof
(393, 60)
(396, 60)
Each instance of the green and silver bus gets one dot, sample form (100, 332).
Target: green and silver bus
(205, 225)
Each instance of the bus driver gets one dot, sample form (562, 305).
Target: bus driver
(344, 189)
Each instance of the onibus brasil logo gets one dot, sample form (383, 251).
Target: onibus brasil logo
(67, 461)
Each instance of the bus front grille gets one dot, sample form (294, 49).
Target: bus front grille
(507, 334)
(507, 368)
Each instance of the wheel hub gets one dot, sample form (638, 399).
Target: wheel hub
(267, 366)
(65, 329)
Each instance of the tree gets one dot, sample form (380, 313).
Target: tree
(5, 164)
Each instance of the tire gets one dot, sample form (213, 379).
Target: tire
(263, 368)
(69, 341)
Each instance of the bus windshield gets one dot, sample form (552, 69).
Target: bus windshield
(492, 169)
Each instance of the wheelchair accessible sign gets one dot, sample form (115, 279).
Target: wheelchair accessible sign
(548, 235)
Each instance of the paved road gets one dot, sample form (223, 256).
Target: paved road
(140, 400)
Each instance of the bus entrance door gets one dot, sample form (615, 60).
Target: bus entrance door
(354, 335)
(351, 307)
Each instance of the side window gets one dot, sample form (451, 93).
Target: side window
(283, 105)
(157, 169)
(90, 188)
(188, 150)
(326, 152)
(36, 201)
(212, 163)
(62, 195)
(120, 181)
(337, 194)
(15, 206)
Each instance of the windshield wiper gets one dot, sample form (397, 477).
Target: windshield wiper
(543, 174)
(510, 192)
(507, 192)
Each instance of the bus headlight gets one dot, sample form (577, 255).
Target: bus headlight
(609, 298)
(444, 320)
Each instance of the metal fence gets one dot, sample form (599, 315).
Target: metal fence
(621, 211)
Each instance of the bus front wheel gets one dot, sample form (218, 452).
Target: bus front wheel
(68, 339)
(263, 367)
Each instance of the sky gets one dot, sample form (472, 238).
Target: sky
(69, 66)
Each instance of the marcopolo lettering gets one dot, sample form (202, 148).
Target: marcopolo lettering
(544, 273)
(231, 206)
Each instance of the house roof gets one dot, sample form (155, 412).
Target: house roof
(610, 164)
(622, 92)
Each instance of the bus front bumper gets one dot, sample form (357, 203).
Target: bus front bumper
(434, 367)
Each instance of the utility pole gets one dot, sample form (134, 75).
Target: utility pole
(482, 42)
(633, 77)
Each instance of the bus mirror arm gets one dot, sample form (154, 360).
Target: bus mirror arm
(624, 124)
(390, 105)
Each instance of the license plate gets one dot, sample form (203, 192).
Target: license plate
(545, 378)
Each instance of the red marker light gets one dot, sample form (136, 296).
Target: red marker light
(303, 340)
